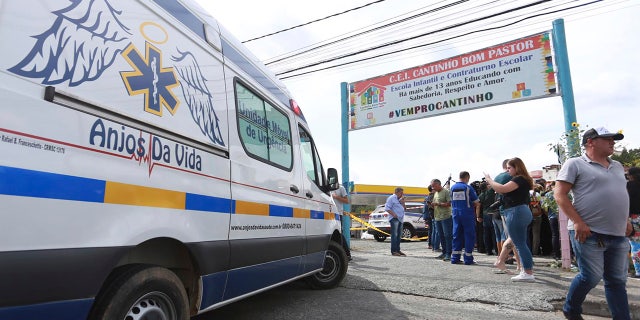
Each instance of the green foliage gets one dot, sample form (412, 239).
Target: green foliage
(359, 209)
(629, 158)
(569, 145)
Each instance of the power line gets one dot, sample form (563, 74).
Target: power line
(423, 45)
(530, 28)
(369, 31)
(313, 21)
(392, 30)
(415, 37)
(435, 42)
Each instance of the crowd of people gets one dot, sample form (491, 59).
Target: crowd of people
(601, 201)
(481, 216)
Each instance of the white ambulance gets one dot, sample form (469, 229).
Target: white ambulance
(150, 167)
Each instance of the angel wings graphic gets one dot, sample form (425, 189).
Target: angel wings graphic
(87, 37)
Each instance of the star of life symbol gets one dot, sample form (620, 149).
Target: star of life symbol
(151, 79)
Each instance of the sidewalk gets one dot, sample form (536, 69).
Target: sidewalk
(373, 267)
(557, 281)
(596, 302)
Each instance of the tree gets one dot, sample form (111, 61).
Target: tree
(628, 158)
(569, 146)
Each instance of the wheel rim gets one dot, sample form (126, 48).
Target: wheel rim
(406, 233)
(152, 306)
(331, 267)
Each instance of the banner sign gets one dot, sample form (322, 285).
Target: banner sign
(510, 72)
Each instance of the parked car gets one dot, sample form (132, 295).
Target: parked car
(356, 227)
(413, 224)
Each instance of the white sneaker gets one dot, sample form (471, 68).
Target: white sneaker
(523, 276)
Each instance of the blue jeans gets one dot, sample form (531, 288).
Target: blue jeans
(445, 229)
(517, 220)
(498, 227)
(489, 234)
(396, 233)
(429, 224)
(600, 257)
(435, 235)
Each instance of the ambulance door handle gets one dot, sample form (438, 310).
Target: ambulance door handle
(294, 189)
(309, 194)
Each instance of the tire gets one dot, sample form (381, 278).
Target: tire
(334, 268)
(407, 232)
(142, 292)
(379, 238)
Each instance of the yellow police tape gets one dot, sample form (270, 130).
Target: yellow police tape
(369, 226)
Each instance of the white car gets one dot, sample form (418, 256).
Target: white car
(413, 224)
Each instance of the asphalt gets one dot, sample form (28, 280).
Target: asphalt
(546, 293)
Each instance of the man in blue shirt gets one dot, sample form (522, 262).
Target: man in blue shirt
(465, 208)
(395, 207)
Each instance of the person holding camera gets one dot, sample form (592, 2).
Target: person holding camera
(516, 213)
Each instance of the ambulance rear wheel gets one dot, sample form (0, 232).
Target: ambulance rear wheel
(333, 270)
(142, 292)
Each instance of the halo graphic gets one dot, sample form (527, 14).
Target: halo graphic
(144, 25)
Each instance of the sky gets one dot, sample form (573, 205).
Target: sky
(603, 49)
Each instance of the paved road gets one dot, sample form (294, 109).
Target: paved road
(379, 286)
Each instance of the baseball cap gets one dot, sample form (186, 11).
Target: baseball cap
(600, 132)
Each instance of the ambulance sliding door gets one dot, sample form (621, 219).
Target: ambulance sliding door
(267, 229)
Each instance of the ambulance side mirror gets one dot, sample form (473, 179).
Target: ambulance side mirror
(332, 179)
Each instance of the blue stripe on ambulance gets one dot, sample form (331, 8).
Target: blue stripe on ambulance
(280, 211)
(254, 278)
(207, 203)
(39, 184)
(61, 310)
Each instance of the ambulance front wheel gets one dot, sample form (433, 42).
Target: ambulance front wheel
(142, 292)
(333, 270)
